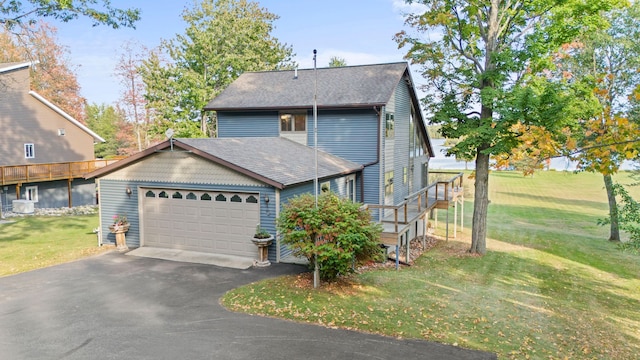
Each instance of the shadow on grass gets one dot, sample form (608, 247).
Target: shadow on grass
(554, 201)
(525, 295)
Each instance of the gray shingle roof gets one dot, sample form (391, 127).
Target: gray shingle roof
(349, 86)
(278, 159)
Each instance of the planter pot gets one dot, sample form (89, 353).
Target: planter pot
(121, 240)
(263, 250)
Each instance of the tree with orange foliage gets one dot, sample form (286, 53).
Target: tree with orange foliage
(609, 60)
(53, 76)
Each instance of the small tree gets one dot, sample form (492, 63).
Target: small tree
(628, 218)
(337, 231)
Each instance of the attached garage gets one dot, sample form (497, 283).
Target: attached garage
(203, 221)
(208, 195)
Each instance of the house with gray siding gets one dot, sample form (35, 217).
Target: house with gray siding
(208, 195)
(44, 152)
(368, 114)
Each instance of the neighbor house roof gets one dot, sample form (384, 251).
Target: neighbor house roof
(338, 87)
(62, 113)
(6, 67)
(273, 160)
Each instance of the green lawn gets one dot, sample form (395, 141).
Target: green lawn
(550, 287)
(34, 242)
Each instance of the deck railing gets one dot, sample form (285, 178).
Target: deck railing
(447, 185)
(15, 174)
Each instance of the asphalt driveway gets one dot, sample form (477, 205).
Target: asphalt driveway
(124, 307)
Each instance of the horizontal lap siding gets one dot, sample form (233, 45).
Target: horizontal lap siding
(401, 148)
(372, 186)
(285, 195)
(247, 124)
(114, 200)
(352, 135)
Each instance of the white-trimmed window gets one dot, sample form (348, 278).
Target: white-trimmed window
(389, 126)
(29, 151)
(31, 193)
(325, 187)
(293, 122)
(388, 183)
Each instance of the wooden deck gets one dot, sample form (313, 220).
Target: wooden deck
(19, 174)
(398, 220)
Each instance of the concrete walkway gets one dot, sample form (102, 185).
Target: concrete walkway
(115, 306)
(228, 261)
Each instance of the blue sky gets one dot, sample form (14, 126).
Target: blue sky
(360, 31)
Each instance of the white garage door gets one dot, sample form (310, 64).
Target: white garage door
(204, 221)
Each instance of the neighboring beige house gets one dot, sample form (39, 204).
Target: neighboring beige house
(44, 152)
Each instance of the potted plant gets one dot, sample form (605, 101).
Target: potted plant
(262, 239)
(119, 227)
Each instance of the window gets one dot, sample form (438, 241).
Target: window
(325, 187)
(176, 195)
(236, 198)
(404, 175)
(293, 122)
(31, 193)
(191, 196)
(29, 151)
(221, 197)
(388, 183)
(61, 132)
(252, 199)
(150, 194)
(389, 126)
(205, 197)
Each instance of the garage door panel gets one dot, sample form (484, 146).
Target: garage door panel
(207, 221)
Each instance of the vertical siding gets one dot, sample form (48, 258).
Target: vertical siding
(248, 124)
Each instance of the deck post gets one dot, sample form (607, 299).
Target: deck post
(455, 218)
(447, 226)
(462, 213)
(70, 193)
(398, 255)
(408, 241)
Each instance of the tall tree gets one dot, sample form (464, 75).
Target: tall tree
(109, 122)
(132, 99)
(223, 39)
(19, 13)
(337, 61)
(53, 76)
(610, 61)
(484, 64)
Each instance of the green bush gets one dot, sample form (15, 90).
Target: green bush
(337, 231)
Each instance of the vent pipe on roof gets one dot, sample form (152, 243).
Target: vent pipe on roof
(295, 73)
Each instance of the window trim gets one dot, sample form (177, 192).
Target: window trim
(34, 191)
(292, 115)
(29, 151)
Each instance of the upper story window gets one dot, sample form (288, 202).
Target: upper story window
(290, 122)
(389, 126)
(29, 151)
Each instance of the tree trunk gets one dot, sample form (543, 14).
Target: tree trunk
(613, 209)
(480, 205)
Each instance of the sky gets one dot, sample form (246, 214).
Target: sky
(359, 31)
